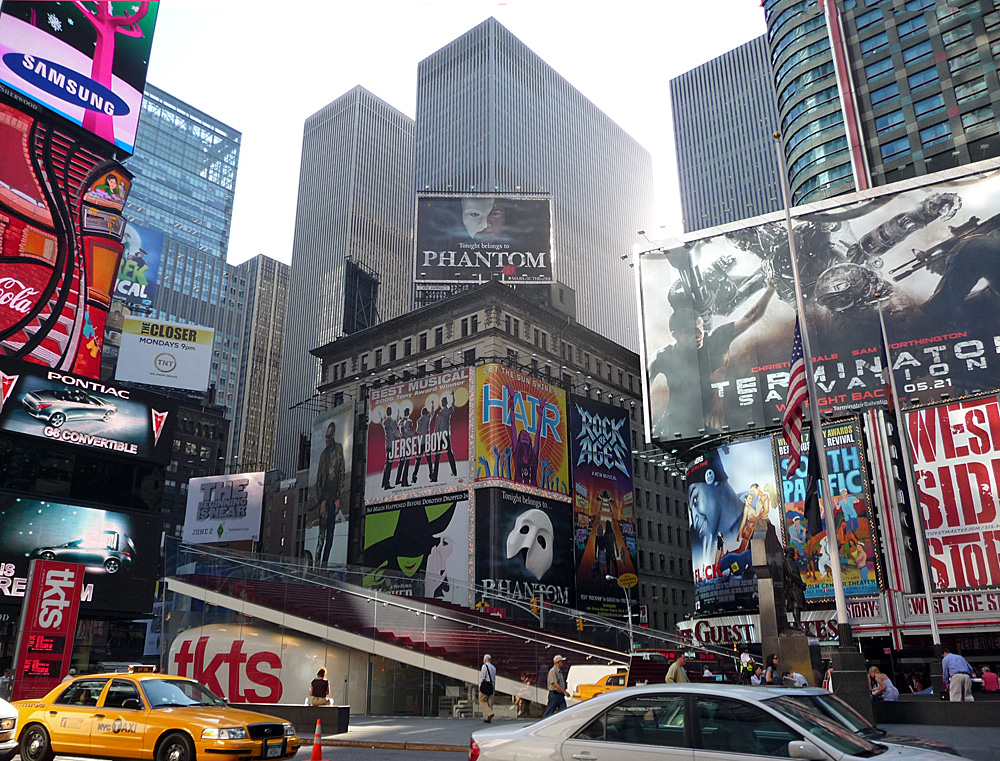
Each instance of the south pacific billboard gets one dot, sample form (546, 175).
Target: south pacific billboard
(329, 505)
(719, 311)
(478, 238)
(139, 270)
(852, 510)
(418, 437)
(521, 430)
(85, 62)
(60, 407)
(956, 457)
(603, 504)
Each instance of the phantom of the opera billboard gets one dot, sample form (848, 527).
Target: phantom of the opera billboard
(84, 61)
(419, 547)
(139, 270)
(852, 510)
(86, 413)
(418, 437)
(329, 505)
(521, 432)
(603, 504)
(719, 311)
(119, 550)
(524, 547)
(956, 459)
(474, 238)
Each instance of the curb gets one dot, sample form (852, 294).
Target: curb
(441, 747)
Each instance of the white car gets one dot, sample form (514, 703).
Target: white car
(694, 722)
(8, 731)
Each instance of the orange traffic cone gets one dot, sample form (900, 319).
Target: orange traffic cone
(317, 754)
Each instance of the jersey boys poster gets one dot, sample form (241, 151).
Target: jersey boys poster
(719, 311)
(852, 515)
(521, 432)
(603, 504)
(418, 437)
(956, 456)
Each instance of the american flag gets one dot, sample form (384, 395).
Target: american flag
(795, 402)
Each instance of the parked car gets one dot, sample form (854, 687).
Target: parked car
(8, 731)
(57, 406)
(116, 553)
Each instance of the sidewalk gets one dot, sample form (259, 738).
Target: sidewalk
(977, 743)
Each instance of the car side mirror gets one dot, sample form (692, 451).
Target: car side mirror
(805, 750)
(131, 704)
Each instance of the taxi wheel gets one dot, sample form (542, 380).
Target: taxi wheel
(175, 747)
(35, 745)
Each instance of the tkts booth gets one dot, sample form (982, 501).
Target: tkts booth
(718, 320)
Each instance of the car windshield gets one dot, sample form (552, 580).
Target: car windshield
(841, 712)
(178, 693)
(812, 717)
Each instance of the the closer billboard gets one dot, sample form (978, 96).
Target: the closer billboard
(473, 238)
(57, 406)
(956, 456)
(166, 354)
(719, 311)
(84, 61)
(224, 508)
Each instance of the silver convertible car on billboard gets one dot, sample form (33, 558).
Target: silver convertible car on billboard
(57, 406)
(115, 553)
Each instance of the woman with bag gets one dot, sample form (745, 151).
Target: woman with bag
(319, 689)
(487, 686)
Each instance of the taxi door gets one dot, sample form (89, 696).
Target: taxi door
(71, 716)
(120, 722)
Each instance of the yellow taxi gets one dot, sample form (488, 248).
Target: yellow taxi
(147, 716)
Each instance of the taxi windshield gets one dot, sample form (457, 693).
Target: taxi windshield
(178, 693)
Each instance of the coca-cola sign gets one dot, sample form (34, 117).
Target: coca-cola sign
(16, 296)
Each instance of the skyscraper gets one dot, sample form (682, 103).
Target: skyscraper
(724, 115)
(494, 117)
(353, 231)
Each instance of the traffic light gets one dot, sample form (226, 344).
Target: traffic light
(579, 624)
(534, 606)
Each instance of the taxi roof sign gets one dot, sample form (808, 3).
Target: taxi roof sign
(137, 669)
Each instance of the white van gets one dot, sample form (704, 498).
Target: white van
(8, 731)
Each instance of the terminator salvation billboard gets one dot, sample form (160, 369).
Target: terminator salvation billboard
(471, 238)
(418, 437)
(956, 456)
(719, 311)
(603, 503)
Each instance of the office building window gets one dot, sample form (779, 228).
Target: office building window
(378, 357)
(911, 27)
(962, 62)
(919, 5)
(923, 78)
(877, 69)
(915, 53)
(969, 90)
(981, 117)
(407, 347)
(895, 149)
(889, 121)
(865, 20)
(957, 35)
(392, 353)
(884, 94)
(474, 323)
(928, 106)
(873, 44)
(935, 134)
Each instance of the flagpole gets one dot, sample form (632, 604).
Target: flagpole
(911, 488)
(843, 620)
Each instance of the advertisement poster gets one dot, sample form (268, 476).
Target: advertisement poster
(57, 406)
(478, 238)
(418, 437)
(852, 515)
(329, 506)
(719, 312)
(420, 547)
(139, 270)
(730, 490)
(524, 547)
(521, 432)
(603, 504)
(120, 551)
(956, 456)
(224, 508)
(166, 354)
(85, 61)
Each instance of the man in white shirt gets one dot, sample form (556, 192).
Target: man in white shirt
(487, 681)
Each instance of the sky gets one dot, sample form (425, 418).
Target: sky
(263, 70)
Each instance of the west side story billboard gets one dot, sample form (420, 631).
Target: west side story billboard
(478, 238)
(718, 312)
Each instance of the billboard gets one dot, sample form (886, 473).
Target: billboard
(718, 312)
(603, 504)
(329, 506)
(956, 460)
(57, 406)
(524, 547)
(730, 490)
(852, 511)
(85, 62)
(138, 273)
(224, 508)
(478, 238)
(167, 354)
(418, 437)
(520, 426)
(119, 551)
(419, 547)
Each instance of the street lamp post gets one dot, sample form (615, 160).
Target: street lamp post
(628, 609)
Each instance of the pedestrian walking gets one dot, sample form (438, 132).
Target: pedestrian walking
(990, 681)
(677, 674)
(556, 683)
(319, 689)
(956, 673)
(487, 688)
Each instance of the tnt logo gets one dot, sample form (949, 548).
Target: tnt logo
(165, 363)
